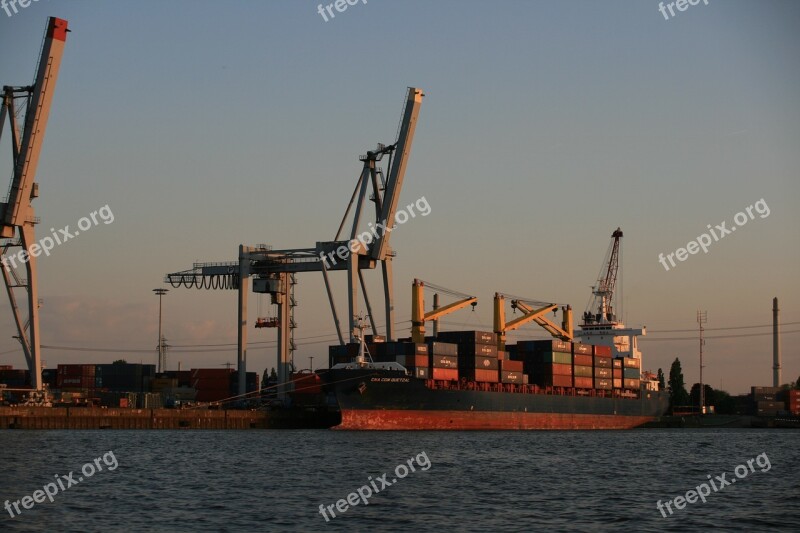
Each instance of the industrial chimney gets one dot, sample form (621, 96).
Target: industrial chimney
(776, 344)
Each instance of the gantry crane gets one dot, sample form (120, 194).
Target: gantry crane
(419, 316)
(271, 269)
(530, 314)
(16, 212)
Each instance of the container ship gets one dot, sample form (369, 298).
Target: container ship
(473, 380)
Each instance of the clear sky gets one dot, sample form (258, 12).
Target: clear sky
(545, 126)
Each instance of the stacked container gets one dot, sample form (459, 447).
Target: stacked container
(548, 363)
(793, 402)
(444, 360)
(124, 377)
(603, 367)
(211, 384)
(631, 373)
(477, 354)
(76, 378)
(616, 372)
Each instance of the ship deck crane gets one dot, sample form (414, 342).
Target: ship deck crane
(419, 316)
(272, 269)
(530, 314)
(601, 324)
(16, 212)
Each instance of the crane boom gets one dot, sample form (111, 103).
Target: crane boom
(397, 172)
(17, 212)
(419, 316)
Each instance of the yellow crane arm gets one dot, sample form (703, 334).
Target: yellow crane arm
(449, 308)
(419, 316)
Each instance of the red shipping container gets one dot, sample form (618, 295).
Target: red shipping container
(559, 369)
(511, 366)
(603, 351)
(617, 374)
(414, 360)
(444, 361)
(618, 362)
(447, 374)
(583, 360)
(630, 362)
(604, 384)
(584, 383)
(486, 376)
(617, 383)
(556, 381)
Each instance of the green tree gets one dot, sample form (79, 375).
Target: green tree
(710, 394)
(797, 385)
(677, 390)
(120, 362)
(661, 383)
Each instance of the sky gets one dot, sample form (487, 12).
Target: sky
(545, 126)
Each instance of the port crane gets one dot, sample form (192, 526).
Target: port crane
(17, 215)
(532, 312)
(271, 270)
(419, 316)
(600, 323)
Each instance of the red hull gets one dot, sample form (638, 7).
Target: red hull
(363, 419)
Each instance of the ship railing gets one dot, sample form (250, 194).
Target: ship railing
(512, 388)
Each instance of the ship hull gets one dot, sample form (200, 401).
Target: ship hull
(392, 401)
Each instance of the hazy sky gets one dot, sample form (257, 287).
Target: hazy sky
(545, 126)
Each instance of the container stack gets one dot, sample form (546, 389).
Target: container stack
(444, 360)
(766, 401)
(603, 370)
(616, 372)
(14, 379)
(582, 366)
(76, 378)
(477, 354)
(548, 363)
(631, 373)
(212, 384)
(793, 402)
(511, 371)
(124, 377)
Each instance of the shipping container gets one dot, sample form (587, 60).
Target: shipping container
(602, 351)
(443, 348)
(561, 358)
(76, 370)
(604, 362)
(552, 345)
(511, 366)
(211, 373)
(764, 397)
(421, 373)
(511, 377)
(444, 361)
(414, 360)
(484, 376)
(771, 405)
(604, 373)
(582, 371)
(554, 369)
(583, 382)
(630, 383)
(631, 373)
(484, 350)
(582, 349)
(485, 363)
(448, 374)
(764, 390)
(502, 355)
(630, 362)
(617, 362)
(468, 337)
(554, 381)
(616, 373)
(603, 384)
(617, 383)
(583, 360)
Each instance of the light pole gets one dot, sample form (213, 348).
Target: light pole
(311, 357)
(160, 293)
(702, 318)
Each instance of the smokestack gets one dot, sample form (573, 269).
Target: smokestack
(776, 344)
